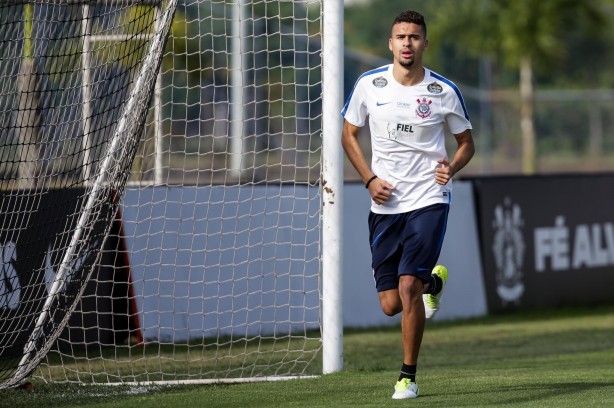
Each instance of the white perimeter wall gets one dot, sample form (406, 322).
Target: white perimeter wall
(163, 316)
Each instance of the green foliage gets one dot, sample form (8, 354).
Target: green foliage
(566, 39)
(28, 47)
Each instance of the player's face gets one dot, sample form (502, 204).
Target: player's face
(407, 43)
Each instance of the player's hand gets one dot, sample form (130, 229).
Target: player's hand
(380, 191)
(443, 172)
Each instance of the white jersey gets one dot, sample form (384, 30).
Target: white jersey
(407, 133)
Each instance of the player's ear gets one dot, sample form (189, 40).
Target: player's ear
(426, 44)
(390, 43)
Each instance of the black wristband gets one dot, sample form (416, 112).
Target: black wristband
(369, 182)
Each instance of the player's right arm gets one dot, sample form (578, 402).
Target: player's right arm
(378, 189)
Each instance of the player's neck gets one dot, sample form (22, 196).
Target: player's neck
(408, 76)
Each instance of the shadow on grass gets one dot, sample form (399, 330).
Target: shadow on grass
(538, 394)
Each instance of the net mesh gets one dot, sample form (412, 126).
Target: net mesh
(210, 264)
(74, 115)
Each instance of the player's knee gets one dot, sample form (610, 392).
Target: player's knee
(390, 302)
(391, 305)
(391, 310)
(410, 287)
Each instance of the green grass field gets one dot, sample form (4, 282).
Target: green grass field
(562, 358)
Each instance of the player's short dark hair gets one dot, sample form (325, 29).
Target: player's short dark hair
(411, 16)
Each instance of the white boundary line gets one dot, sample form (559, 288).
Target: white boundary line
(211, 381)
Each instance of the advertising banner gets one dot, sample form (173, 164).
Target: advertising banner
(547, 241)
(35, 230)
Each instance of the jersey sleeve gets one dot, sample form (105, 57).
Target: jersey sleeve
(456, 115)
(355, 109)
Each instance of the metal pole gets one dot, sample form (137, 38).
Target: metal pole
(332, 185)
(237, 84)
(158, 166)
(86, 111)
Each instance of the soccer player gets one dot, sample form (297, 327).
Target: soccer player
(409, 179)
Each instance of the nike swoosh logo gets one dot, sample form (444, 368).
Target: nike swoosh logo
(382, 103)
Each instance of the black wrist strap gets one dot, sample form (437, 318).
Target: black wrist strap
(369, 182)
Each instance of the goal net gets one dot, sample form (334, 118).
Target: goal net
(187, 249)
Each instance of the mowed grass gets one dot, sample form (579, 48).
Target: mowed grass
(556, 358)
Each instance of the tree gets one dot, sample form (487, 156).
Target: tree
(524, 34)
(29, 119)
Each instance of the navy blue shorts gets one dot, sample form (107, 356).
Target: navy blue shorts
(406, 244)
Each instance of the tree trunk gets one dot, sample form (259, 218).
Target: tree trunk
(29, 124)
(29, 120)
(527, 127)
(485, 136)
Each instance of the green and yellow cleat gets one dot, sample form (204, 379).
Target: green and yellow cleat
(404, 388)
(431, 302)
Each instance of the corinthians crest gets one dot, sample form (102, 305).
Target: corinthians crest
(424, 108)
(508, 248)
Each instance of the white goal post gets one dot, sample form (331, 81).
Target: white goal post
(172, 190)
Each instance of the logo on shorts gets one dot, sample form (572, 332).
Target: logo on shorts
(380, 82)
(508, 249)
(424, 108)
(434, 88)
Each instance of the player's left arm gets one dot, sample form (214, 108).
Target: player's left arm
(464, 152)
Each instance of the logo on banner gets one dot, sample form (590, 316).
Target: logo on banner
(508, 249)
(10, 287)
(74, 266)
